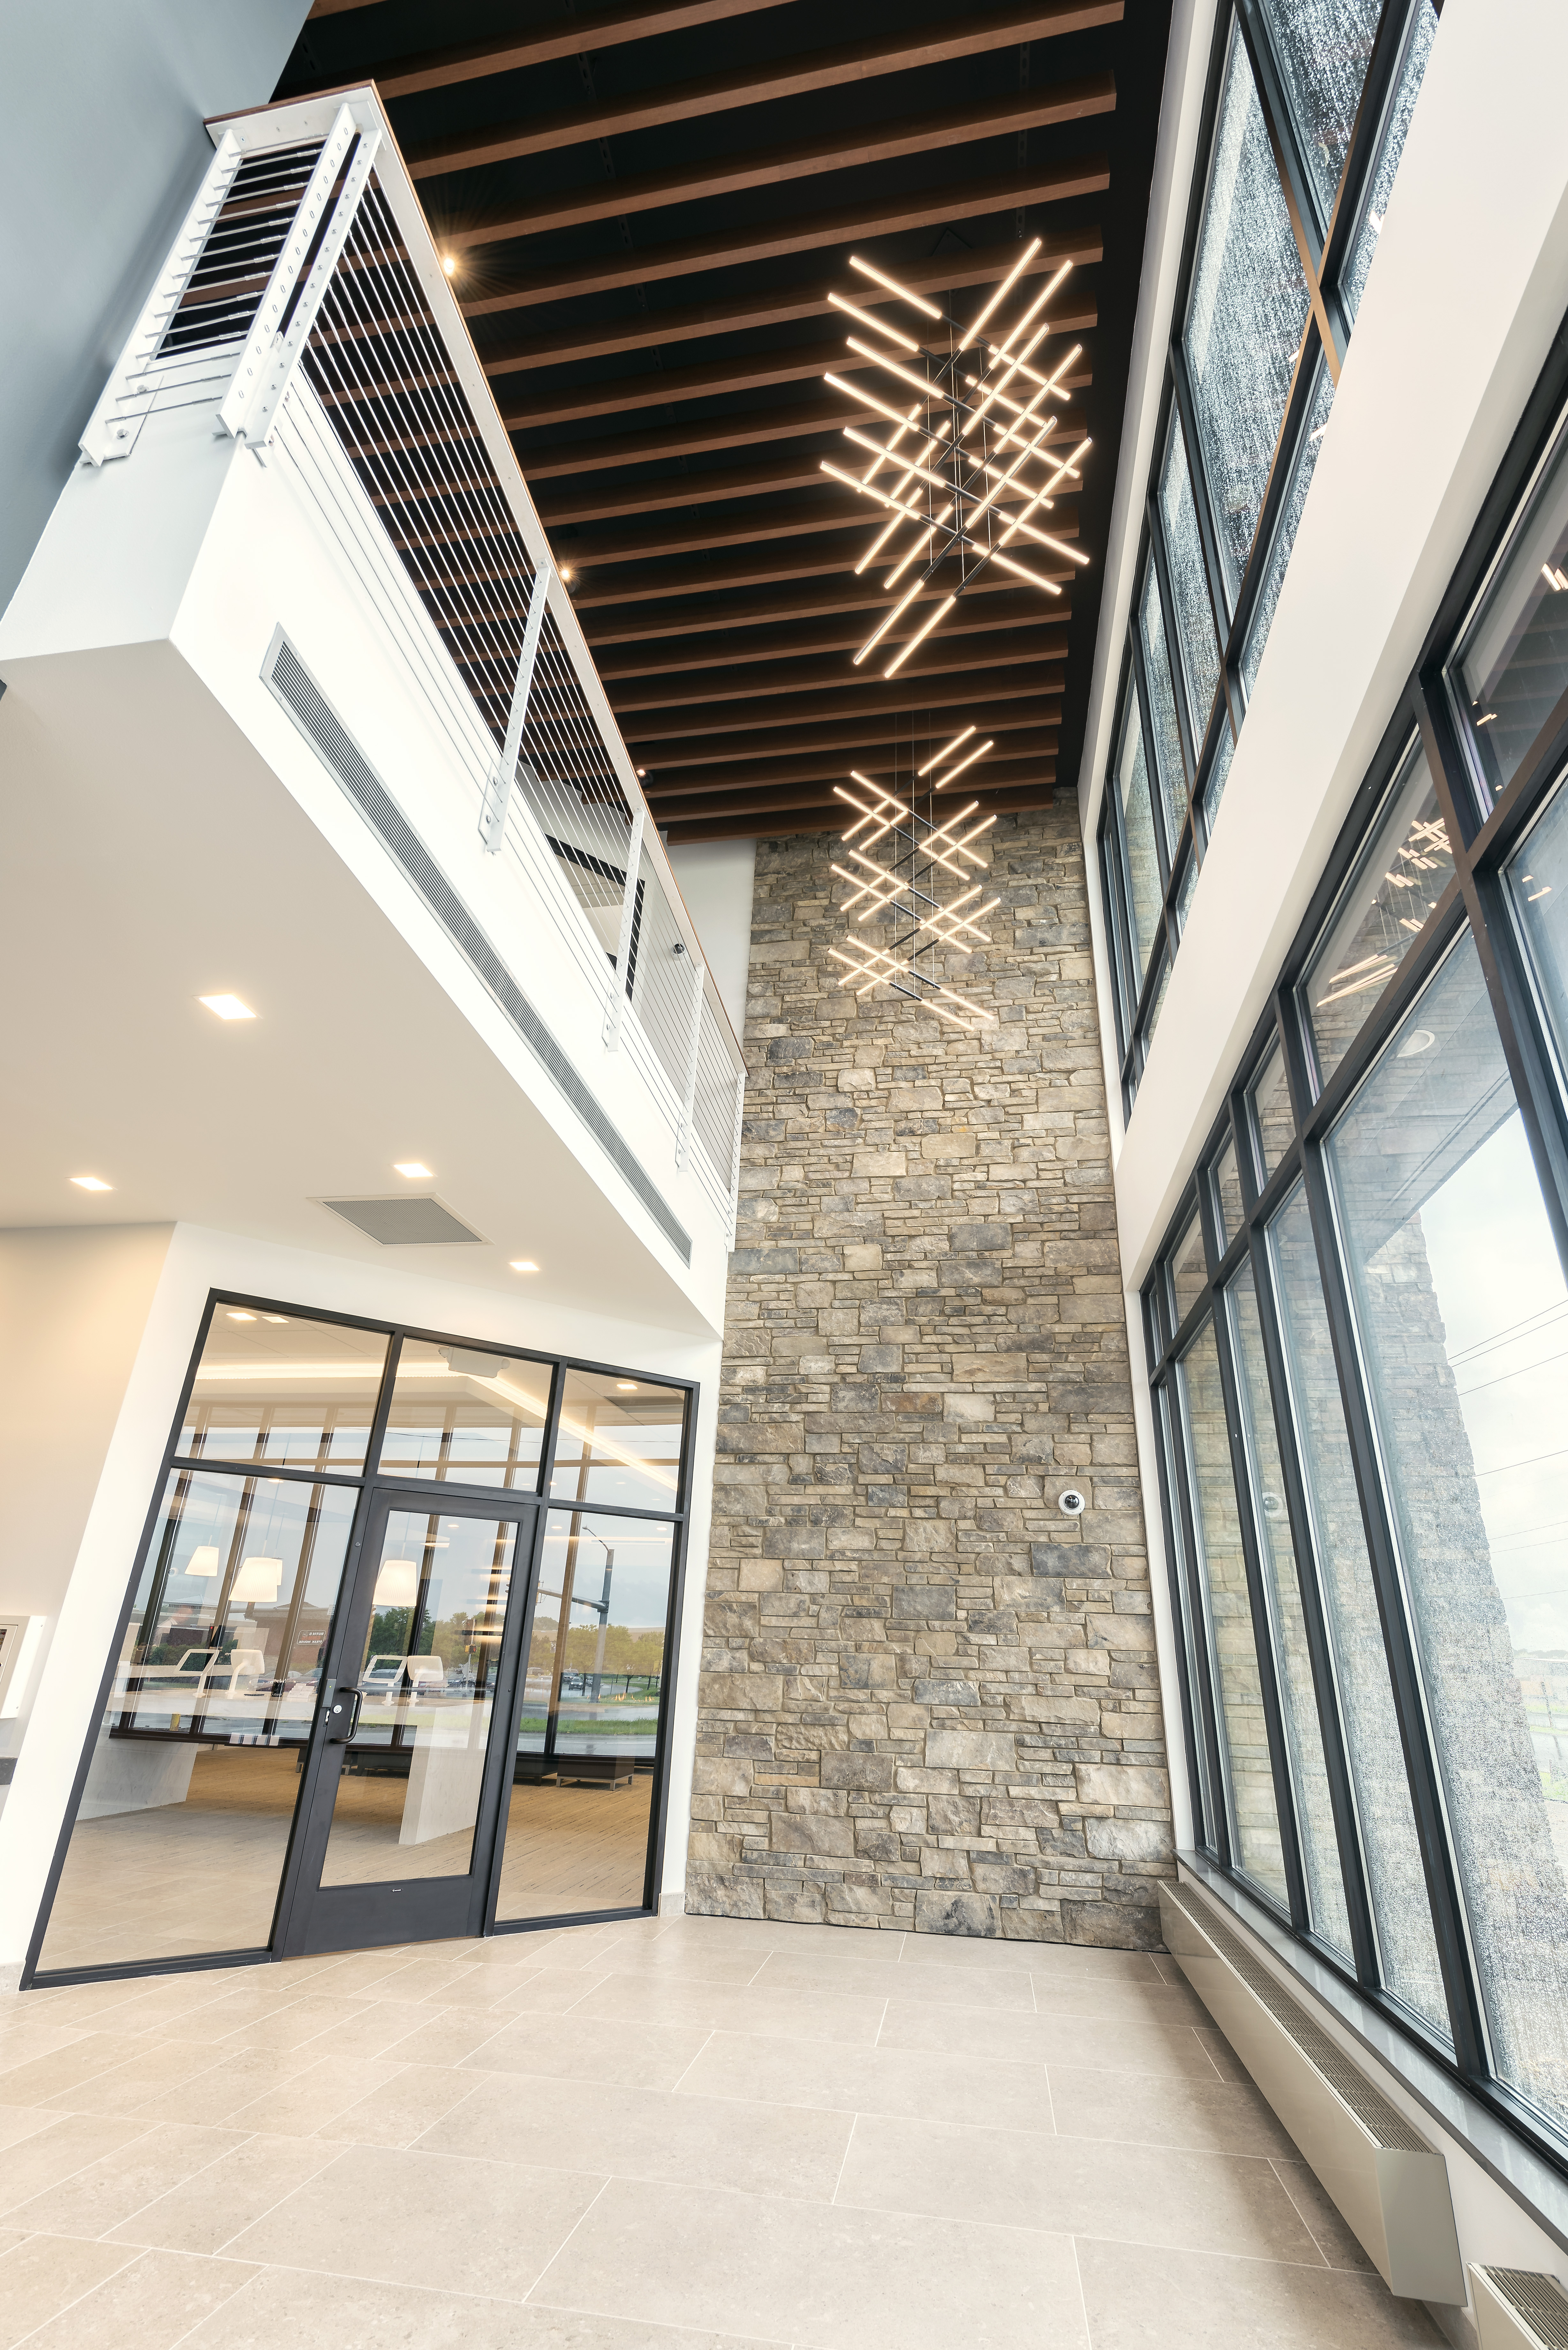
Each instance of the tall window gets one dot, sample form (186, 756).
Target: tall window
(1359, 1333)
(1310, 100)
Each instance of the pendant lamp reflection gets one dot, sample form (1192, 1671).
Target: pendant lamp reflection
(397, 1584)
(205, 1561)
(258, 1578)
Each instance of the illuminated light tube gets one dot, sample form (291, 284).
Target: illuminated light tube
(880, 359)
(1058, 546)
(945, 753)
(943, 781)
(920, 546)
(883, 455)
(879, 406)
(881, 630)
(1004, 290)
(879, 277)
(921, 633)
(1012, 473)
(865, 490)
(1010, 563)
(1034, 311)
(875, 549)
(874, 326)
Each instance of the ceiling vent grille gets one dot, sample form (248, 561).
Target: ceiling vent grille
(291, 682)
(419, 1221)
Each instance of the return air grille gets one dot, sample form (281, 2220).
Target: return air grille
(292, 683)
(1535, 2301)
(1385, 2124)
(419, 1223)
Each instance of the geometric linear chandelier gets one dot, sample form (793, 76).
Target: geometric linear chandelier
(902, 862)
(961, 461)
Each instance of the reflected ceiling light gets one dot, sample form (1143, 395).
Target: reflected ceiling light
(91, 1183)
(205, 1561)
(415, 1169)
(235, 1315)
(227, 1007)
(449, 262)
(258, 1578)
(397, 1584)
(628, 1387)
(972, 465)
(524, 1264)
(281, 1319)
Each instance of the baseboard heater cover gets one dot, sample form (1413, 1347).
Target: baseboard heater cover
(1388, 2184)
(290, 682)
(1519, 2309)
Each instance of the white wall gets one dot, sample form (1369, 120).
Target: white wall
(152, 1341)
(716, 880)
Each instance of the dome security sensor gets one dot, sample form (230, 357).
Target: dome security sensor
(1071, 1503)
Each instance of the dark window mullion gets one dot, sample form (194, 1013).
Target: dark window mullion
(1113, 879)
(1382, 69)
(1174, 659)
(1188, 1557)
(1194, 1722)
(1264, 1630)
(1202, 500)
(1298, 407)
(1443, 1894)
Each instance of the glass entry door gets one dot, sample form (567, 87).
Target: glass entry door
(401, 1816)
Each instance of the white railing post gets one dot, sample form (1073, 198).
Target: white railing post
(683, 1134)
(492, 818)
(735, 1154)
(267, 361)
(615, 1001)
(113, 427)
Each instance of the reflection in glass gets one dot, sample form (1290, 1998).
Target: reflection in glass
(1188, 1270)
(1418, 38)
(179, 1839)
(1245, 316)
(1217, 777)
(1184, 894)
(284, 1389)
(1273, 1121)
(1398, 878)
(1254, 1818)
(1392, 1855)
(619, 1440)
(1323, 47)
(465, 1416)
(587, 1732)
(1462, 1310)
(410, 1782)
(1511, 669)
(1282, 539)
(1189, 582)
(1294, 1673)
(1162, 710)
(1146, 889)
(1537, 881)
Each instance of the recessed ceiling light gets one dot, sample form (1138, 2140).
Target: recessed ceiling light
(227, 1007)
(413, 1167)
(235, 1316)
(91, 1183)
(524, 1264)
(449, 263)
(566, 571)
(629, 1386)
(274, 1317)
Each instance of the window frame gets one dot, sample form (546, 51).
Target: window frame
(1474, 900)
(532, 1503)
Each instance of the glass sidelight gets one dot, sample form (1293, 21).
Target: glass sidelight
(421, 1695)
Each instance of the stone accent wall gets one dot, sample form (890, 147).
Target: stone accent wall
(928, 1699)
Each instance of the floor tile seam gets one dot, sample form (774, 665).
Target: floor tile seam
(708, 2038)
(1206, 2252)
(553, 2257)
(844, 2162)
(1274, 2162)
(66, 2176)
(883, 2113)
(219, 2251)
(135, 2253)
(673, 2326)
(1082, 2296)
(186, 2179)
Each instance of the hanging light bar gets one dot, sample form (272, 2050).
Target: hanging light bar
(879, 277)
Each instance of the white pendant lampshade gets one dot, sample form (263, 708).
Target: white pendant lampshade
(206, 1560)
(398, 1585)
(258, 1578)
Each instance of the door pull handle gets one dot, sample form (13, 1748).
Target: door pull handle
(343, 1717)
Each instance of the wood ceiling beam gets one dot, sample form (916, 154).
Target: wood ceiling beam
(762, 565)
(862, 731)
(612, 502)
(795, 236)
(576, 37)
(713, 379)
(741, 799)
(681, 533)
(784, 306)
(876, 707)
(744, 85)
(975, 616)
(813, 599)
(741, 248)
(881, 763)
(1019, 649)
(666, 443)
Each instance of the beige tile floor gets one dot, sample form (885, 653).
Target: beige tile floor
(673, 2134)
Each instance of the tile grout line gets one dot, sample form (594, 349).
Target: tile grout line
(602, 2188)
(137, 2252)
(711, 2035)
(853, 2125)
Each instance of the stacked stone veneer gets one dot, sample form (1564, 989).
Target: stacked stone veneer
(929, 1698)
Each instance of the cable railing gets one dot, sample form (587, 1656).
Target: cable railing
(305, 296)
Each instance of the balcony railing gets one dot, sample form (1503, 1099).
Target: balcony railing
(305, 300)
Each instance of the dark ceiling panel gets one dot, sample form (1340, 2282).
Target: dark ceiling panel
(662, 197)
